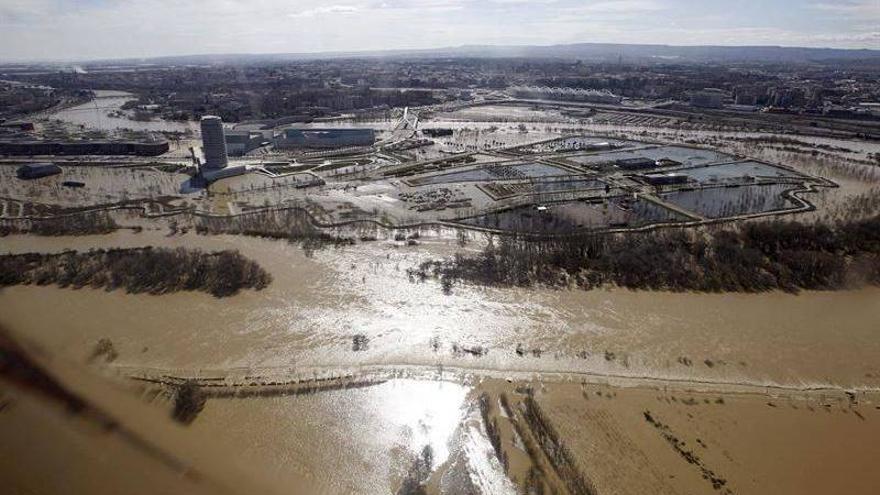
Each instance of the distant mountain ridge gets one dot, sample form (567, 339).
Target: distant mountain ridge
(699, 53)
(576, 51)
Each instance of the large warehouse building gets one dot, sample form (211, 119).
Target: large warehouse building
(37, 170)
(239, 143)
(84, 147)
(324, 138)
(708, 98)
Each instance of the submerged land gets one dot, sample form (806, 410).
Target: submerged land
(502, 294)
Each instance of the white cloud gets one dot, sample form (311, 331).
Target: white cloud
(868, 38)
(861, 9)
(622, 6)
(330, 9)
(15, 10)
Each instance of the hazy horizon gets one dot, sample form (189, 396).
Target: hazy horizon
(57, 30)
(355, 53)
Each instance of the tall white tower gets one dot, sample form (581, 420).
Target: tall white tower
(214, 142)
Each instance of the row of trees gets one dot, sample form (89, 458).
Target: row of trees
(718, 483)
(86, 223)
(293, 224)
(753, 257)
(141, 270)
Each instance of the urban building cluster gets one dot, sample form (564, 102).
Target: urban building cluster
(803, 98)
(293, 138)
(255, 89)
(564, 94)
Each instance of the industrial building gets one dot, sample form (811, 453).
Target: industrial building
(37, 170)
(437, 132)
(787, 97)
(214, 142)
(324, 138)
(239, 143)
(635, 163)
(564, 94)
(708, 98)
(665, 179)
(748, 95)
(86, 147)
(20, 126)
(595, 147)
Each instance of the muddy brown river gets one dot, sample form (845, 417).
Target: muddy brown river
(307, 317)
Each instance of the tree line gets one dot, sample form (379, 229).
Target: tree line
(85, 223)
(140, 270)
(294, 225)
(751, 257)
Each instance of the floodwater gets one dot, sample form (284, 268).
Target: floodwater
(362, 440)
(720, 202)
(715, 173)
(686, 156)
(520, 171)
(759, 444)
(101, 185)
(567, 184)
(306, 319)
(561, 218)
(96, 115)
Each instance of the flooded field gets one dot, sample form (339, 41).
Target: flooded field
(686, 442)
(721, 202)
(686, 156)
(566, 185)
(492, 173)
(100, 185)
(561, 218)
(719, 173)
(258, 183)
(96, 114)
(371, 185)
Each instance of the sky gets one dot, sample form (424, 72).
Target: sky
(100, 29)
